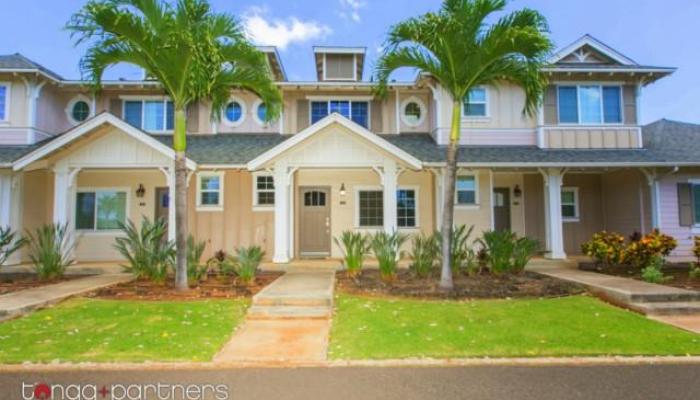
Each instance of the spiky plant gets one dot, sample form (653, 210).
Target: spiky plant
(147, 252)
(354, 246)
(387, 249)
(10, 242)
(50, 249)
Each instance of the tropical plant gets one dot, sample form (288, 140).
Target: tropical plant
(147, 252)
(218, 262)
(696, 248)
(387, 249)
(195, 269)
(693, 271)
(194, 53)
(523, 251)
(460, 250)
(461, 47)
(247, 261)
(505, 252)
(9, 244)
(50, 249)
(355, 247)
(639, 254)
(424, 254)
(606, 248)
(652, 273)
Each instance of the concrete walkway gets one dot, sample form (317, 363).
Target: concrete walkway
(288, 322)
(20, 302)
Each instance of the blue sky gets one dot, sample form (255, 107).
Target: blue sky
(652, 32)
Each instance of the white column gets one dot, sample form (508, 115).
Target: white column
(5, 200)
(169, 174)
(554, 178)
(281, 179)
(389, 182)
(11, 207)
(439, 193)
(652, 179)
(61, 192)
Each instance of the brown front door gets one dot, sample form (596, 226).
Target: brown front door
(314, 221)
(162, 203)
(501, 209)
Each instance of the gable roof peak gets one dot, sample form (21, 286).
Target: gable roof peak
(590, 41)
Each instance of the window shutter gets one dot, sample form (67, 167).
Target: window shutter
(685, 204)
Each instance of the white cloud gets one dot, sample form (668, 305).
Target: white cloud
(281, 32)
(351, 9)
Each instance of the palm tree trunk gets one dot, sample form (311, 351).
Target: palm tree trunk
(448, 208)
(180, 145)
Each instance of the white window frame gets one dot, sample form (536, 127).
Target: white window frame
(577, 207)
(350, 100)
(257, 119)
(71, 104)
(487, 109)
(477, 202)
(8, 98)
(600, 86)
(234, 124)
(210, 207)
(95, 190)
(416, 190)
(423, 111)
(356, 221)
(143, 100)
(694, 182)
(256, 204)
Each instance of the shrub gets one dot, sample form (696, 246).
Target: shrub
(219, 263)
(523, 251)
(195, 269)
(246, 262)
(355, 247)
(460, 250)
(148, 253)
(425, 251)
(9, 244)
(605, 248)
(640, 253)
(652, 272)
(694, 271)
(696, 249)
(387, 249)
(504, 252)
(50, 249)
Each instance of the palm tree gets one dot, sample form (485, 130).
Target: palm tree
(194, 53)
(460, 50)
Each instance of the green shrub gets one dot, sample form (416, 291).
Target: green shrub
(387, 249)
(505, 252)
(425, 251)
(654, 244)
(50, 249)
(146, 250)
(247, 261)
(694, 271)
(460, 250)
(9, 244)
(195, 269)
(606, 248)
(652, 272)
(523, 251)
(355, 247)
(219, 262)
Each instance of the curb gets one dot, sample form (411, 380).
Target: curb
(417, 362)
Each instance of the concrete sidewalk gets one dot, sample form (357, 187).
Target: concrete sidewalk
(20, 302)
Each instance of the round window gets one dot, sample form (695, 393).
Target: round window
(262, 112)
(413, 113)
(234, 111)
(80, 111)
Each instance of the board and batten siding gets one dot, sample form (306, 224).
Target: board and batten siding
(669, 217)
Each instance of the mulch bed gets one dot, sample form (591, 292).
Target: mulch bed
(13, 282)
(214, 287)
(483, 286)
(677, 273)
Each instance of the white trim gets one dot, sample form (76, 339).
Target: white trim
(356, 213)
(210, 207)
(88, 126)
(72, 102)
(600, 86)
(8, 97)
(487, 108)
(334, 118)
(256, 205)
(477, 203)
(145, 97)
(416, 193)
(577, 205)
(594, 43)
(339, 50)
(421, 106)
(95, 190)
(350, 98)
(228, 122)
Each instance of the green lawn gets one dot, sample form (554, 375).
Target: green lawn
(376, 328)
(111, 330)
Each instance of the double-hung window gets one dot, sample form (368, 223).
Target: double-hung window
(4, 101)
(589, 104)
(150, 115)
(406, 208)
(466, 190)
(357, 111)
(264, 190)
(210, 191)
(476, 103)
(569, 204)
(370, 208)
(99, 210)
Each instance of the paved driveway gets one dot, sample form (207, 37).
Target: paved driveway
(492, 382)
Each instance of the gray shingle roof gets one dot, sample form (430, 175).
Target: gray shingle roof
(19, 62)
(228, 148)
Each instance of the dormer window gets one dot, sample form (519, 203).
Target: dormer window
(339, 63)
(476, 103)
(357, 111)
(589, 104)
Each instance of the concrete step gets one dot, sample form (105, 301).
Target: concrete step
(662, 297)
(301, 300)
(258, 312)
(668, 308)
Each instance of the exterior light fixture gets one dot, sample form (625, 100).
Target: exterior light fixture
(517, 192)
(140, 191)
(342, 189)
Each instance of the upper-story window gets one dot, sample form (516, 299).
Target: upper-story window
(589, 104)
(234, 113)
(357, 111)
(261, 113)
(413, 112)
(476, 103)
(4, 101)
(78, 109)
(150, 115)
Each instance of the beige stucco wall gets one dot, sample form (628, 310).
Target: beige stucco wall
(37, 203)
(480, 215)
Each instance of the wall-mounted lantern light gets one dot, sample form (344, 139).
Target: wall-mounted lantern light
(517, 192)
(342, 189)
(140, 191)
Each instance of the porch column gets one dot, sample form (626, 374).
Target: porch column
(169, 174)
(553, 182)
(281, 180)
(439, 175)
(389, 182)
(11, 206)
(64, 196)
(653, 182)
